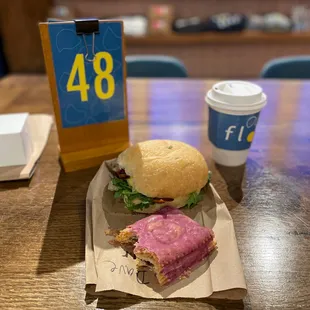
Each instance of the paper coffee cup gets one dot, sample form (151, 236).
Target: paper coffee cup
(234, 108)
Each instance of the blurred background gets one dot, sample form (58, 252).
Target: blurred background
(213, 38)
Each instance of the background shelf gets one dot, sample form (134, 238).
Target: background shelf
(246, 37)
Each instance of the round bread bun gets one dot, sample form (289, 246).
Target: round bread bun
(165, 169)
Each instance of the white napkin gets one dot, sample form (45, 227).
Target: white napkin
(40, 126)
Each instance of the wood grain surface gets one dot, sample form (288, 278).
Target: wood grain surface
(42, 220)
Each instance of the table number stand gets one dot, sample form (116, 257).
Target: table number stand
(102, 131)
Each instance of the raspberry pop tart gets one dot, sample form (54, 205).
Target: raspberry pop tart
(168, 242)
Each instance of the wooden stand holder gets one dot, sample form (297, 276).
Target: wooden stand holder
(85, 146)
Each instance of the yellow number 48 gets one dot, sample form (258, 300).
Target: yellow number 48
(78, 68)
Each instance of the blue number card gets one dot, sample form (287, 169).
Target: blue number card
(85, 63)
(89, 73)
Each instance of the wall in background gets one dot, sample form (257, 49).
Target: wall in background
(20, 33)
(19, 30)
(183, 8)
(231, 60)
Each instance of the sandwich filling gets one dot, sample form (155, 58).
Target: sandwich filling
(168, 242)
(122, 185)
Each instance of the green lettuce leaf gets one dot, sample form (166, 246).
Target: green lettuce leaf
(209, 177)
(130, 196)
(193, 200)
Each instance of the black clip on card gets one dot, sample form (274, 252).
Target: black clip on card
(84, 27)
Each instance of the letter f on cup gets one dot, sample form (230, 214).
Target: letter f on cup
(229, 131)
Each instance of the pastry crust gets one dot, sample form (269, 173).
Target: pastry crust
(169, 243)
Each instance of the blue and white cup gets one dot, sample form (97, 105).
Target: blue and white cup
(234, 108)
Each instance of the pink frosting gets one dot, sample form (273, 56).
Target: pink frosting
(170, 235)
(180, 267)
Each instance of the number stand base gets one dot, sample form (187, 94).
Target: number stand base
(92, 157)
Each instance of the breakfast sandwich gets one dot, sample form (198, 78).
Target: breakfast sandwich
(157, 173)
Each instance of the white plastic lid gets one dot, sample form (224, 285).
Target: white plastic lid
(236, 95)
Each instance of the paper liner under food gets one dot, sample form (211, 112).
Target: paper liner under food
(110, 269)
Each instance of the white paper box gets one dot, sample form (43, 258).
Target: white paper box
(15, 140)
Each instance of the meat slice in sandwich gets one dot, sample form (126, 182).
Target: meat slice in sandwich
(157, 173)
(167, 242)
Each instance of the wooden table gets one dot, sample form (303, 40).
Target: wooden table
(42, 220)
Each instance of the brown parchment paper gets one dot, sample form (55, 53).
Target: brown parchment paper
(109, 269)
